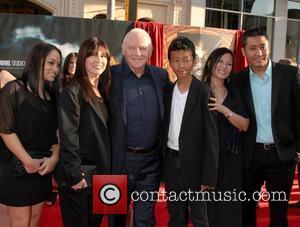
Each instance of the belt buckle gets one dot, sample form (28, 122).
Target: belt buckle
(267, 146)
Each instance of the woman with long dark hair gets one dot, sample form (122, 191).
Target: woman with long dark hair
(28, 125)
(85, 142)
(69, 68)
(232, 119)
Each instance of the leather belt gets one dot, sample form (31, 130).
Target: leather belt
(172, 152)
(139, 150)
(266, 146)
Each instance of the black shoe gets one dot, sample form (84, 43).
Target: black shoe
(294, 205)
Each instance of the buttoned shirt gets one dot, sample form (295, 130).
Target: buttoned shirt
(142, 110)
(262, 92)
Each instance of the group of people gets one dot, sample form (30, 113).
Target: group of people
(224, 133)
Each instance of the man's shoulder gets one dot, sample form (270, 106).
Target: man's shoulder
(153, 67)
(156, 69)
(200, 87)
(199, 83)
(285, 68)
(116, 68)
(236, 77)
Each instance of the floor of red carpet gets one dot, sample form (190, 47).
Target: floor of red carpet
(51, 216)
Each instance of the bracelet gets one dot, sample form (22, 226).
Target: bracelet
(229, 115)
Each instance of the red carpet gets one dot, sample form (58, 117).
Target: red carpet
(51, 216)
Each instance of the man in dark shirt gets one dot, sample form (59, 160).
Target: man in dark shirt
(136, 106)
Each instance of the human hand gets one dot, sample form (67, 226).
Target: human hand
(215, 104)
(82, 184)
(48, 165)
(298, 157)
(33, 165)
(206, 188)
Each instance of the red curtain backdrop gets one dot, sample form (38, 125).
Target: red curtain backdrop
(240, 60)
(156, 32)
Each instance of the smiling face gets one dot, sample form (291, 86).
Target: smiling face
(257, 52)
(223, 67)
(52, 66)
(182, 63)
(96, 63)
(136, 49)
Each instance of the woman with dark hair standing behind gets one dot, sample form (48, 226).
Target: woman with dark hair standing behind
(85, 142)
(69, 68)
(231, 119)
(28, 124)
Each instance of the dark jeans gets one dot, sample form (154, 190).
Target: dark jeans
(143, 172)
(266, 167)
(77, 207)
(179, 211)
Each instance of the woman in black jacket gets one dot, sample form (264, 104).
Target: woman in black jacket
(85, 142)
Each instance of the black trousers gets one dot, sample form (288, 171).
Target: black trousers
(77, 207)
(143, 171)
(278, 177)
(181, 210)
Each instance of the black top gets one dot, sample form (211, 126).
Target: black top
(228, 134)
(84, 137)
(142, 111)
(33, 119)
(102, 107)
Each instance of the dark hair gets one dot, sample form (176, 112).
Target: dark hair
(252, 32)
(212, 61)
(89, 47)
(33, 71)
(65, 76)
(181, 43)
(146, 19)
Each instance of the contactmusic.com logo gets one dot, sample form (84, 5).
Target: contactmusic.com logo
(110, 194)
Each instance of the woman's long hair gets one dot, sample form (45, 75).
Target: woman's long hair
(211, 63)
(66, 67)
(33, 71)
(89, 47)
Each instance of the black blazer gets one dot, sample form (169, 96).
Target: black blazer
(285, 107)
(117, 104)
(84, 137)
(198, 138)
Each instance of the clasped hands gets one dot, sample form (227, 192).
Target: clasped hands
(42, 166)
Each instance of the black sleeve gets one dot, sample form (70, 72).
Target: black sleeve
(8, 107)
(296, 104)
(239, 107)
(211, 147)
(69, 106)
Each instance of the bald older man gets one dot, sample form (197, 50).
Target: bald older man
(136, 106)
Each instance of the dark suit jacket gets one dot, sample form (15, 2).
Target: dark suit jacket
(117, 104)
(198, 138)
(83, 134)
(285, 107)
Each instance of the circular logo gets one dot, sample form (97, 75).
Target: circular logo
(109, 194)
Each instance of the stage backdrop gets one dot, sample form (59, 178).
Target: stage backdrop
(205, 40)
(20, 32)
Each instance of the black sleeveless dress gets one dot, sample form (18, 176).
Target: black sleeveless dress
(34, 120)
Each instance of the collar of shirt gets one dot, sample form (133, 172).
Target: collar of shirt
(267, 75)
